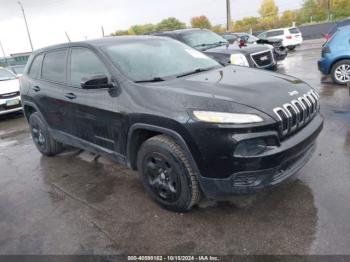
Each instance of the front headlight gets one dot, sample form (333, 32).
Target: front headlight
(239, 59)
(227, 118)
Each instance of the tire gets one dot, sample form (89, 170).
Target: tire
(291, 48)
(42, 138)
(167, 174)
(336, 73)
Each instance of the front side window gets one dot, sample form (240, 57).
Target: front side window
(35, 68)
(54, 66)
(6, 75)
(84, 63)
(157, 58)
(203, 39)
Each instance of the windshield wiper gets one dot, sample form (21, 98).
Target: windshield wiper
(196, 71)
(153, 80)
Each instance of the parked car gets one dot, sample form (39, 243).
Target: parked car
(279, 51)
(190, 126)
(338, 24)
(219, 48)
(17, 69)
(291, 37)
(10, 100)
(335, 60)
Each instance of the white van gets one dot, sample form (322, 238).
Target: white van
(291, 37)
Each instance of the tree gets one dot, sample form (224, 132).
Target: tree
(120, 32)
(219, 29)
(340, 9)
(170, 23)
(142, 29)
(201, 22)
(246, 24)
(268, 8)
(269, 14)
(310, 10)
(287, 18)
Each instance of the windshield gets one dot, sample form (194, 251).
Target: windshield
(6, 75)
(203, 39)
(249, 38)
(157, 59)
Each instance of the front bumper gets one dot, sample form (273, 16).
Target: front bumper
(7, 109)
(291, 156)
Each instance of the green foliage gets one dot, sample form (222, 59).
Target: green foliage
(201, 22)
(268, 9)
(170, 23)
(311, 10)
(219, 29)
(120, 32)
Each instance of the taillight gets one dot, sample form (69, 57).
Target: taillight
(289, 37)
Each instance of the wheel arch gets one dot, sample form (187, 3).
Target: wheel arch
(337, 61)
(134, 142)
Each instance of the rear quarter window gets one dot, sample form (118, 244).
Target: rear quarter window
(54, 66)
(294, 31)
(275, 33)
(35, 68)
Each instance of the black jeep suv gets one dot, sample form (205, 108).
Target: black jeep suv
(218, 48)
(190, 126)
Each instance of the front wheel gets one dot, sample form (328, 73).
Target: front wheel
(341, 72)
(167, 174)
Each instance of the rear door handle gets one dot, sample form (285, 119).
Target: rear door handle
(36, 88)
(70, 96)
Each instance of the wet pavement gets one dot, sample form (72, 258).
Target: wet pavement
(72, 204)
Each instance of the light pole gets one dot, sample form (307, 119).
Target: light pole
(3, 52)
(229, 17)
(25, 21)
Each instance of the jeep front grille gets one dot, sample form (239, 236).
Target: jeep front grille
(298, 113)
(263, 59)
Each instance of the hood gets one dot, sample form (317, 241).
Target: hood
(258, 89)
(9, 86)
(234, 49)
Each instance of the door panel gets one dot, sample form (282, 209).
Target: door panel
(46, 86)
(93, 113)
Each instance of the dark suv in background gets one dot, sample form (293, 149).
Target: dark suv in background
(190, 126)
(218, 48)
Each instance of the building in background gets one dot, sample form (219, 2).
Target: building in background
(15, 59)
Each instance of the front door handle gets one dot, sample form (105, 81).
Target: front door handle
(70, 96)
(36, 88)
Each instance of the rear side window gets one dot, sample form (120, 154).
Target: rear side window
(294, 31)
(54, 66)
(85, 63)
(275, 33)
(35, 68)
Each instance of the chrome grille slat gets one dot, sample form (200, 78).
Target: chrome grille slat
(298, 113)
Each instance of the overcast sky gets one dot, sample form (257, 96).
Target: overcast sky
(49, 19)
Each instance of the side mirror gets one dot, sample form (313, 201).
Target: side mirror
(95, 82)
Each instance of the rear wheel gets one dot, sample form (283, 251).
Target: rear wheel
(291, 48)
(42, 137)
(167, 174)
(341, 72)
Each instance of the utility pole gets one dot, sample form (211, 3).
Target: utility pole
(3, 52)
(329, 10)
(228, 15)
(67, 36)
(25, 21)
(103, 31)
